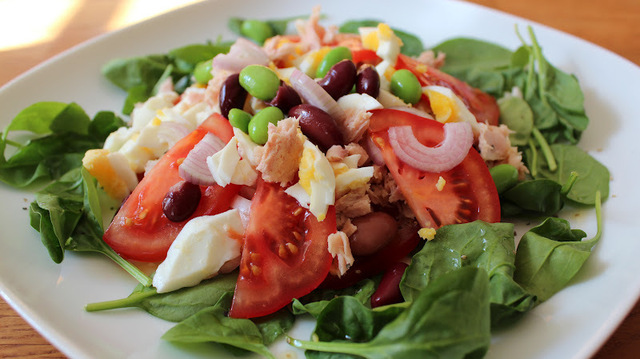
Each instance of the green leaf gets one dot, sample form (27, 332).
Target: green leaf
(551, 254)
(517, 115)
(465, 53)
(315, 302)
(173, 306)
(542, 196)
(449, 319)
(212, 325)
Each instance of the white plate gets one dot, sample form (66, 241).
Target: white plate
(574, 323)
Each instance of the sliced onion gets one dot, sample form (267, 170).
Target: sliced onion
(243, 206)
(374, 152)
(241, 54)
(458, 138)
(194, 168)
(315, 95)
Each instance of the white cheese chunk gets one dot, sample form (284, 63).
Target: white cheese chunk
(202, 247)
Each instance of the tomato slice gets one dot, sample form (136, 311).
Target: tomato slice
(140, 231)
(483, 106)
(365, 56)
(469, 193)
(285, 253)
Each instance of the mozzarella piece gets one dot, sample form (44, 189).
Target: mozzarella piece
(201, 248)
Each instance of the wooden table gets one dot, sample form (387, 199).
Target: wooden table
(610, 24)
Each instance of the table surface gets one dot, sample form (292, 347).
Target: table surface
(610, 24)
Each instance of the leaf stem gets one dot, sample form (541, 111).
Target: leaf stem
(127, 302)
(573, 177)
(546, 149)
(130, 268)
(533, 168)
(331, 347)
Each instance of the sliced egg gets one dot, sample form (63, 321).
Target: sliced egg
(201, 248)
(447, 106)
(227, 166)
(112, 172)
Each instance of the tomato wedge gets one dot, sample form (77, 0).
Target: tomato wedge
(285, 253)
(483, 106)
(140, 231)
(469, 193)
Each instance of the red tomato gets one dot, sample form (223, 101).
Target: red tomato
(285, 253)
(140, 230)
(469, 193)
(364, 56)
(483, 106)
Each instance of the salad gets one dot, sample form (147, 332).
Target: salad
(419, 159)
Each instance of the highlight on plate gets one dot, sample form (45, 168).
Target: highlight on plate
(319, 171)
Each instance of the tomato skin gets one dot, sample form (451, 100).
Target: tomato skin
(140, 231)
(469, 193)
(365, 56)
(270, 274)
(483, 106)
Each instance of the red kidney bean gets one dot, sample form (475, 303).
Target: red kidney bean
(368, 81)
(375, 230)
(286, 98)
(181, 201)
(232, 95)
(340, 79)
(388, 291)
(318, 125)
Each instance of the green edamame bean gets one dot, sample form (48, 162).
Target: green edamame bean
(259, 124)
(260, 82)
(202, 72)
(256, 30)
(406, 86)
(504, 176)
(239, 119)
(332, 57)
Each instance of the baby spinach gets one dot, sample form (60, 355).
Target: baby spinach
(213, 325)
(517, 115)
(68, 216)
(173, 306)
(550, 254)
(55, 136)
(592, 175)
(411, 44)
(448, 319)
(141, 75)
(489, 246)
(316, 301)
(539, 196)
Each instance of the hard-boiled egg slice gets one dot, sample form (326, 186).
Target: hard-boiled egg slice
(201, 248)
(112, 172)
(227, 166)
(447, 106)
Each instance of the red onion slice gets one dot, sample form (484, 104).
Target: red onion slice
(315, 95)
(373, 151)
(241, 54)
(458, 138)
(194, 168)
(243, 206)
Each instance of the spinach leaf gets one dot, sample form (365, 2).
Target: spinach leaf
(541, 196)
(173, 306)
(315, 302)
(411, 44)
(448, 319)
(478, 244)
(551, 254)
(68, 215)
(274, 326)
(212, 325)
(141, 75)
(517, 115)
(592, 175)
(57, 136)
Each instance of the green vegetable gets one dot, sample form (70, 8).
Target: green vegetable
(259, 124)
(59, 135)
(256, 30)
(517, 115)
(542, 196)
(406, 86)
(332, 57)
(448, 319)
(504, 176)
(592, 175)
(140, 76)
(477, 244)
(69, 216)
(315, 302)
(239, 119)
(411, 44)
(174, 306)
(212, 325)
(277, 27)
(551, 254)
(202, 72)
(260, 82)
